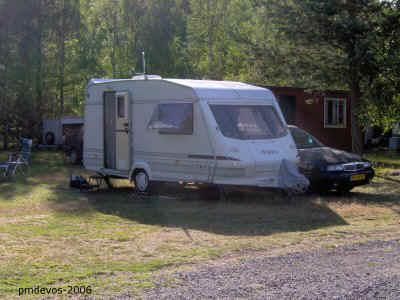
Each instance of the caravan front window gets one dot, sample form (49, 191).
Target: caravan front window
(248, 122)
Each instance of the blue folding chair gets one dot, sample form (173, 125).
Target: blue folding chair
(8, 168)
(17, 162)
(25, 152)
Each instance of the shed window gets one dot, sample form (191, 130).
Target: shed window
(335, 113)
(172, 118)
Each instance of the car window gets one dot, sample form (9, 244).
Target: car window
(304, 140)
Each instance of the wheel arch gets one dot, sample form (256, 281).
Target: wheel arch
(140, 166)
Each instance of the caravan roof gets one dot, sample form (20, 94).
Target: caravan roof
(207, 89)
(223, 89)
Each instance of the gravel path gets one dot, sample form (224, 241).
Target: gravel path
(362, 271)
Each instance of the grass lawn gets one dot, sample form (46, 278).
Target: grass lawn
(113, 241)
(388, 159)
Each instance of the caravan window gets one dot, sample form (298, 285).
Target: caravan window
(250, 122)
(172, 118)
(121, 106)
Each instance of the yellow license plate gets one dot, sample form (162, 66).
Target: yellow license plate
(357, 177)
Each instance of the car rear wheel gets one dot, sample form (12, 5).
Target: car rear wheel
(319, 189)
(212, 193)
(344, 189)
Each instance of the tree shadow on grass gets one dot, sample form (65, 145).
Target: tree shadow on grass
(14, 188)
(43, 169)
(242, 215)
(386, 194)
(364, 198)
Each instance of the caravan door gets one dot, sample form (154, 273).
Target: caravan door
(116, 131)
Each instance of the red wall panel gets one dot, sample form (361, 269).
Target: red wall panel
(310, 115)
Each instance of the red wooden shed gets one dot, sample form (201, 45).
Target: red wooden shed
(326, 115)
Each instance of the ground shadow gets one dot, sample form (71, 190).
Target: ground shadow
(16, 187)
(386, 194)
(46, 167)
(244, 213)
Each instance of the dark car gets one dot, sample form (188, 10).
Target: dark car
(328, 168)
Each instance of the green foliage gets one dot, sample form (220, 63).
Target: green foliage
(50, 49)
(349, 44)
(384, 115)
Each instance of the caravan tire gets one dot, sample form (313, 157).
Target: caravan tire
(142, 182)
(210, 193)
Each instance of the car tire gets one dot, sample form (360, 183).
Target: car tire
(319, 189)
(344, 189)
(142, 182)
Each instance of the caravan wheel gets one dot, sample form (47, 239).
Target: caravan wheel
(142, 182)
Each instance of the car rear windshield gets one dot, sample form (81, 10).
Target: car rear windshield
(248, 122)
(304, 140)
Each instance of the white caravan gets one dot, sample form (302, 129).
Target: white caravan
(151, 129)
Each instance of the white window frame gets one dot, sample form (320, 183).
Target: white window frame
(344, 124)
(126, 105)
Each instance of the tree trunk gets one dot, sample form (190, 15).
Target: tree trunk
(6, 109)
(6, 132)
(62, 77)
(113, 63)
(39, 78)
(62, 59)
(356, 134)
(114, 45)
(210, 32)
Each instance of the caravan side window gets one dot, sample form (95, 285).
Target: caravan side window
(172, 118)
(121, 106)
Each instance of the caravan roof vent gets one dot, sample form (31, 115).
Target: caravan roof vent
(146, 77)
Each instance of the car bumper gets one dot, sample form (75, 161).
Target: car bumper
(341, 179)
